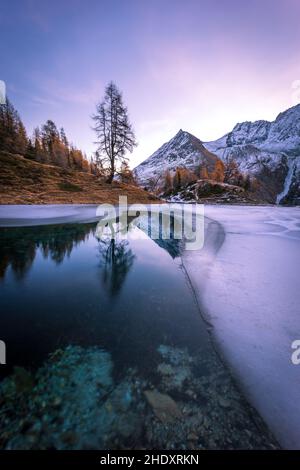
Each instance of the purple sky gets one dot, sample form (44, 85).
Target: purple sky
(199, 65)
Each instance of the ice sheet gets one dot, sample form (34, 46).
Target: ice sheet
(251, 296)
(16, 215)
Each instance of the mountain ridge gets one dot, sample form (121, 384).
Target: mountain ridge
(268, 151)
(261, 146)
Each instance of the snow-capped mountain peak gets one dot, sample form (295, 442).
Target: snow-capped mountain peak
(183, 150)
(282, 134)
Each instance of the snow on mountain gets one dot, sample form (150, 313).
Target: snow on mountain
(284, 132)
(270, 151)
(262, 146)
(288, 181)
(183, 150)
(281, 135)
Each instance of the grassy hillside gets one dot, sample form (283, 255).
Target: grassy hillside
(23, 181)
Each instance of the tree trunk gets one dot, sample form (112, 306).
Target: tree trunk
(110, 178)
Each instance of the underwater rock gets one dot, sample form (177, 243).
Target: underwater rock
(165, 369)
(192, 437)
(224, 402)
(75, 402)
(23, 380)
(69, 395)
(164, 407)
(173, 355)
(176, 370)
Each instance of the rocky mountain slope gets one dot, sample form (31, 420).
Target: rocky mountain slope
(267, 151)
(183, 150)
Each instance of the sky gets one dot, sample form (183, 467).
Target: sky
(197, 65)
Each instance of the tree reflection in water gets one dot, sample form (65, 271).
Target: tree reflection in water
(116, 260)
(19, 245)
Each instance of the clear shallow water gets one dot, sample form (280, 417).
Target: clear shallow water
(131, 363)
(60, 285)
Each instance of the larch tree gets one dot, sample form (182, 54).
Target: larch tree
(46, 146)
(168, 182)
(39, 152)
(177, 180)
(115, 135)
(218, 173)
(126, 174)
(203, 173)
(49, 136)
(13, 137)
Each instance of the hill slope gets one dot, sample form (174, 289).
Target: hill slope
(23, 181)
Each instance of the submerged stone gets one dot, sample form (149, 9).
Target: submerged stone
(164, 407)
(75, 402)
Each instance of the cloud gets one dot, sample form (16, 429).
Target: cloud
(39, 100)
(55, 92)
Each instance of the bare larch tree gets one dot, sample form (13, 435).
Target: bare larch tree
(115, 135)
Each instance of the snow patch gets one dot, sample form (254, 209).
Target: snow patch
(287, 183)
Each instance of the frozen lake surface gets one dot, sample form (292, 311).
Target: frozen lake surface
(21, 215)
(250, 293)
